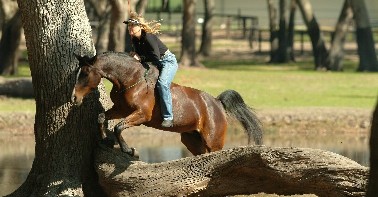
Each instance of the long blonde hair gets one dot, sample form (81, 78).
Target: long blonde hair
(148, 26)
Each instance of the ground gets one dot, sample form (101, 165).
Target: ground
(297, 120)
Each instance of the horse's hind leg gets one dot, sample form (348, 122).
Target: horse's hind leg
(194, 143)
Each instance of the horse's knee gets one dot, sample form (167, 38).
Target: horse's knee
(118, 129)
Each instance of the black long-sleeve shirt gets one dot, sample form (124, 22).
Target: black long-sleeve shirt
(149, 47)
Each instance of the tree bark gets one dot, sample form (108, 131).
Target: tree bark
(336, 52)
(188, 35)
(318, 45)
(372, 190)
(365, 41)
(207, 28)
(10, 38)
(242, 170)
(65, 136)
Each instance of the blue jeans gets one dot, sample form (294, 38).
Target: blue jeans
(168, 67)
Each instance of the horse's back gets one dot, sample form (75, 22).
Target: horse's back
(190, 104)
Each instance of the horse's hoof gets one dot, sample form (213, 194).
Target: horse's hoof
(135, 153)
(131, 151)
(108, 142)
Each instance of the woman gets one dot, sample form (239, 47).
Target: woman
(149, 48)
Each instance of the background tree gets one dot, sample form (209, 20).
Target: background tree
(140, 7)
(119, 13)
(98, 11)
(207, 28)
(188, 35)
(64, 135)
(336, 52)
(282, 48)
(10, 37)
(318, 45)
(273, 28)
(291, 31)
(365, 41)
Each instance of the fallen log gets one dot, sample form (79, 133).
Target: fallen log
(242, 170)
(17, 87)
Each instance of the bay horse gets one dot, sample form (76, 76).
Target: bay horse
(200, 118)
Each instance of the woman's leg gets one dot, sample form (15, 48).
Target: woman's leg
(169, 68)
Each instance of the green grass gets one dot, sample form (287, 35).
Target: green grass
(267, 86)
(286, 86)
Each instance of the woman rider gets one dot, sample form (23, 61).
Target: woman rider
(149, 48)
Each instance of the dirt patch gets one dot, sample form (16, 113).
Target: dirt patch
(298, 120)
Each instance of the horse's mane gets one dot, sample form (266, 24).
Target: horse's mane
(124, 60)
(117, 57)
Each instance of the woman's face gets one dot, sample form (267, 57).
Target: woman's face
(134, 30)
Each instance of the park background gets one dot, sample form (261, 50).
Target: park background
(309, 123)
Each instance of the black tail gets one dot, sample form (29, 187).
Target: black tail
(234, 105)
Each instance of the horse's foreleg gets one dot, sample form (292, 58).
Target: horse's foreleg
(134, 119)
(122, 143)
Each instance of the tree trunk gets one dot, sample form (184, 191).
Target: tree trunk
(65, 136)
(365, 41)
(372, 190)
(119, 13)
(188, 41)
(318, 45)
(9, 43)
(242, 170)
(207, 28)
(273, 27)
(336, 52)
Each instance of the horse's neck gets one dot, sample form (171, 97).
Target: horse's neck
(122, 77)
(112, 75)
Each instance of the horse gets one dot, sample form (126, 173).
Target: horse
(200, 118)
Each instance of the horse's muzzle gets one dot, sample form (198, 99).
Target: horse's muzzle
(75, 100)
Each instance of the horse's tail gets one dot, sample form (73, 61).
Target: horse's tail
(234, 105)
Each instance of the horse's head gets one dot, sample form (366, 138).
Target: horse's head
(87, 80)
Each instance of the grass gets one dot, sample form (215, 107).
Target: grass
(266, 86)
(286, 85)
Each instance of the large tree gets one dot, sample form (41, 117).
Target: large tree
(372, 190)
(65, 136)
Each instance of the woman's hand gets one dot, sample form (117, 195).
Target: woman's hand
(134, 55)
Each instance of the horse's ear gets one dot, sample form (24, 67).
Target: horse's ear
(85, 60)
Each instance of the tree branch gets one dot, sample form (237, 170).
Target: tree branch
(242, 170)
